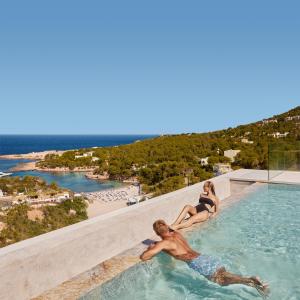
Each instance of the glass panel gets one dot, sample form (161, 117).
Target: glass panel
(283, 156)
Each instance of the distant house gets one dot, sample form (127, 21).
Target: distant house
(278, 135)
(267, 121)
(204, 161)
(231, 154)
(63, 197)
(87, 154)
(43, 201)
(291, 118)
(135, 167)
(220, 168)
(1, 193)
(95, 158)
(246, 141)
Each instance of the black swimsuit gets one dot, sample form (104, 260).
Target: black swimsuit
(201, 206)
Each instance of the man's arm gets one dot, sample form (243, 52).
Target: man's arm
(153, 250)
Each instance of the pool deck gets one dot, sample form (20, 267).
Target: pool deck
(280, 177)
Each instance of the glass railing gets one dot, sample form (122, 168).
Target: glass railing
(283, 156)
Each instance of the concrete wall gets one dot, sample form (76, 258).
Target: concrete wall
(33, 266)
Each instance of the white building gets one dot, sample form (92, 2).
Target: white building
(267, 121)
(278, 135)
(63, 197)
(246, 141)
(220, 168)
(95, 158)
(87, 154)
(204, 161)
(292, 118)
(231, 154)
(56, 199)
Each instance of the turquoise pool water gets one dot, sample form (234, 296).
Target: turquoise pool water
(259, 235)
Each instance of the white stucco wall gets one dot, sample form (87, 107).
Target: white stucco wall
(33, 266)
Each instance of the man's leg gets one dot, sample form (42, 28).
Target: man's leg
(188, 209)
(222, 277)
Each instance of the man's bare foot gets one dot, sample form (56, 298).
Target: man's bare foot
(262, 288)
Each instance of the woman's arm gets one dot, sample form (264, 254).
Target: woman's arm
(217, 202)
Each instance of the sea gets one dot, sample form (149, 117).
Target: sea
(75, 181)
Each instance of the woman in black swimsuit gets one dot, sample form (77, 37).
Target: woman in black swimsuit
(207, 207)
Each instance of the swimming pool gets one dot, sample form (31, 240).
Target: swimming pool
(259, 235)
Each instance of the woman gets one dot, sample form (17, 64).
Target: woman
(208, 207)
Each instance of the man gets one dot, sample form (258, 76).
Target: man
(175, 245)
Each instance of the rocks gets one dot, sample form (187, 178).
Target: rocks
(2, 226)
(29, 166)
(72, 212)
(35, 215)
(91, 175)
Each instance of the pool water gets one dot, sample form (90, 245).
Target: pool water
(259, 235)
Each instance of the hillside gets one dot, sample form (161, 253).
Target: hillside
(165, 163)
(24, 219)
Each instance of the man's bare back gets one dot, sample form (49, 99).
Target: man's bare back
(175, 245)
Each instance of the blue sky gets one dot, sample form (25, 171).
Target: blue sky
(146, 66)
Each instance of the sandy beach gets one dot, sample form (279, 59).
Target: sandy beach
(106, 201)
(32, 155)
(31, 166)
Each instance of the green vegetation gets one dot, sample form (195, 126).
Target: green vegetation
(18, 226)
(166, 163)
(22, 221)
(28, 185)
(67, 159)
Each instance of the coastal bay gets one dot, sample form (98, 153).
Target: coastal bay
(19, 154)
(75, 181)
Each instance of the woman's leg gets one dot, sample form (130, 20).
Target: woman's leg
(188, 209)
(197, 218)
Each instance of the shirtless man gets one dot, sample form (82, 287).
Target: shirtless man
(175, 245)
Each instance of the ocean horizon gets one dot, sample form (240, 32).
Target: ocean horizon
(22, 144)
